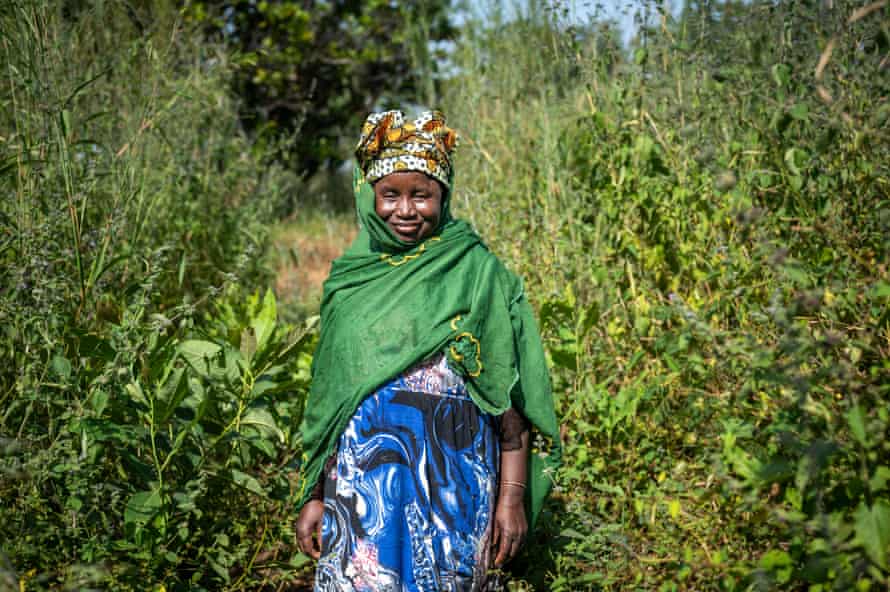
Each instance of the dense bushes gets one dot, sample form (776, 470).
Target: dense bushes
(704, 229)
(148, 405)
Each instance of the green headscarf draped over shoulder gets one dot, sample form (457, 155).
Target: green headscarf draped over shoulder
(388, 305)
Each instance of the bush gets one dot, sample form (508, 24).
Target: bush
(148, 406)
(702, 224)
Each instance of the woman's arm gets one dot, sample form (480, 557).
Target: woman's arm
(510, 524)
(309, 528)
(309, 520)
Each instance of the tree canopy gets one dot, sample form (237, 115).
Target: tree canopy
(317, 67)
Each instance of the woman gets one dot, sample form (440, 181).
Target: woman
(428, 372)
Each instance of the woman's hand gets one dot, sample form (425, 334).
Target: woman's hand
(309, 524)
(510, 524)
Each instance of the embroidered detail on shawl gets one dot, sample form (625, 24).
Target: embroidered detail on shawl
(406, 258)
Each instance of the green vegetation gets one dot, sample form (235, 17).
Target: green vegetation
(316, 67)
(148, 403)
(702, 222)
(705, 234)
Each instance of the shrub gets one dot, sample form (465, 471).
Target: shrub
(148, 407)
(702, 223)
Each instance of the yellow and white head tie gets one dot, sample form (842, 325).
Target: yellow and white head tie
(388, 144)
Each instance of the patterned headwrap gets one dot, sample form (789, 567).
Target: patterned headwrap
(388, 145)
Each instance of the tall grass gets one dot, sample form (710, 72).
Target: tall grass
(147, 404)
(702, 222)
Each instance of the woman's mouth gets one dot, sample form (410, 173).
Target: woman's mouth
(406, 229)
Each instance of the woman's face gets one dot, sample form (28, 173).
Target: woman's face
(410, 203)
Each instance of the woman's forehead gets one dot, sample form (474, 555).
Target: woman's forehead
(401, 178)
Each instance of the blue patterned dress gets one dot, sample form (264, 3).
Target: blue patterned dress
(408, 506)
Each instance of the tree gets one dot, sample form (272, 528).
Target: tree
(317, 67)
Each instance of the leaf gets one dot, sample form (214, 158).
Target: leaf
(795, 158)
(779, 563)
(674, 508)
(135, 391)
(781, 74)
(571, 533)
(98, 400)
(609, 488)
(881, 290)
(800, 112)
(263, 420)
(61, 367)
(263, 324)
(247, 482)
(878, 481)
(873, 530)
(171, 393)
(142, 507)
(105, 430)
(856, 420)
(183, 262)
(248, 344)
(199, 354)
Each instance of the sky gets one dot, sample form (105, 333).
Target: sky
(581, 11)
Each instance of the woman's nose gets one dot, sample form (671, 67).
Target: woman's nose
(405, 207)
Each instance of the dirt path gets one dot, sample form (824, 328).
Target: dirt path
(304, 252)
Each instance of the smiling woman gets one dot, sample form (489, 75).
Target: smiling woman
(428, 378)
(410, 203)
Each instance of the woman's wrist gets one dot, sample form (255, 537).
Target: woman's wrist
(511, 492)
(512, 483)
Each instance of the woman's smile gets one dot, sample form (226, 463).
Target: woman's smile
(410, 203)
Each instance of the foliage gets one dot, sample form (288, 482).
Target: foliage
(701, 222)
(703, 225)
(317, 68)
(148, 408)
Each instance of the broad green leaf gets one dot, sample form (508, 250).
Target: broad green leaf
(142, 507)
(171, 393)
(135, 391)
(263, 420)
(234, 365)
(263, 324)
(247, 482)
(571, 533)
(609, 488)
(878, 481)
(261, 444)
(106, 430)
(856, 420)
(873, 531)
(248, 344)
(881, 290)
(98, 400)
(61, 367)
(199, 354)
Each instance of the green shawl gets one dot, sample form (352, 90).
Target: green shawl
(388, 305)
